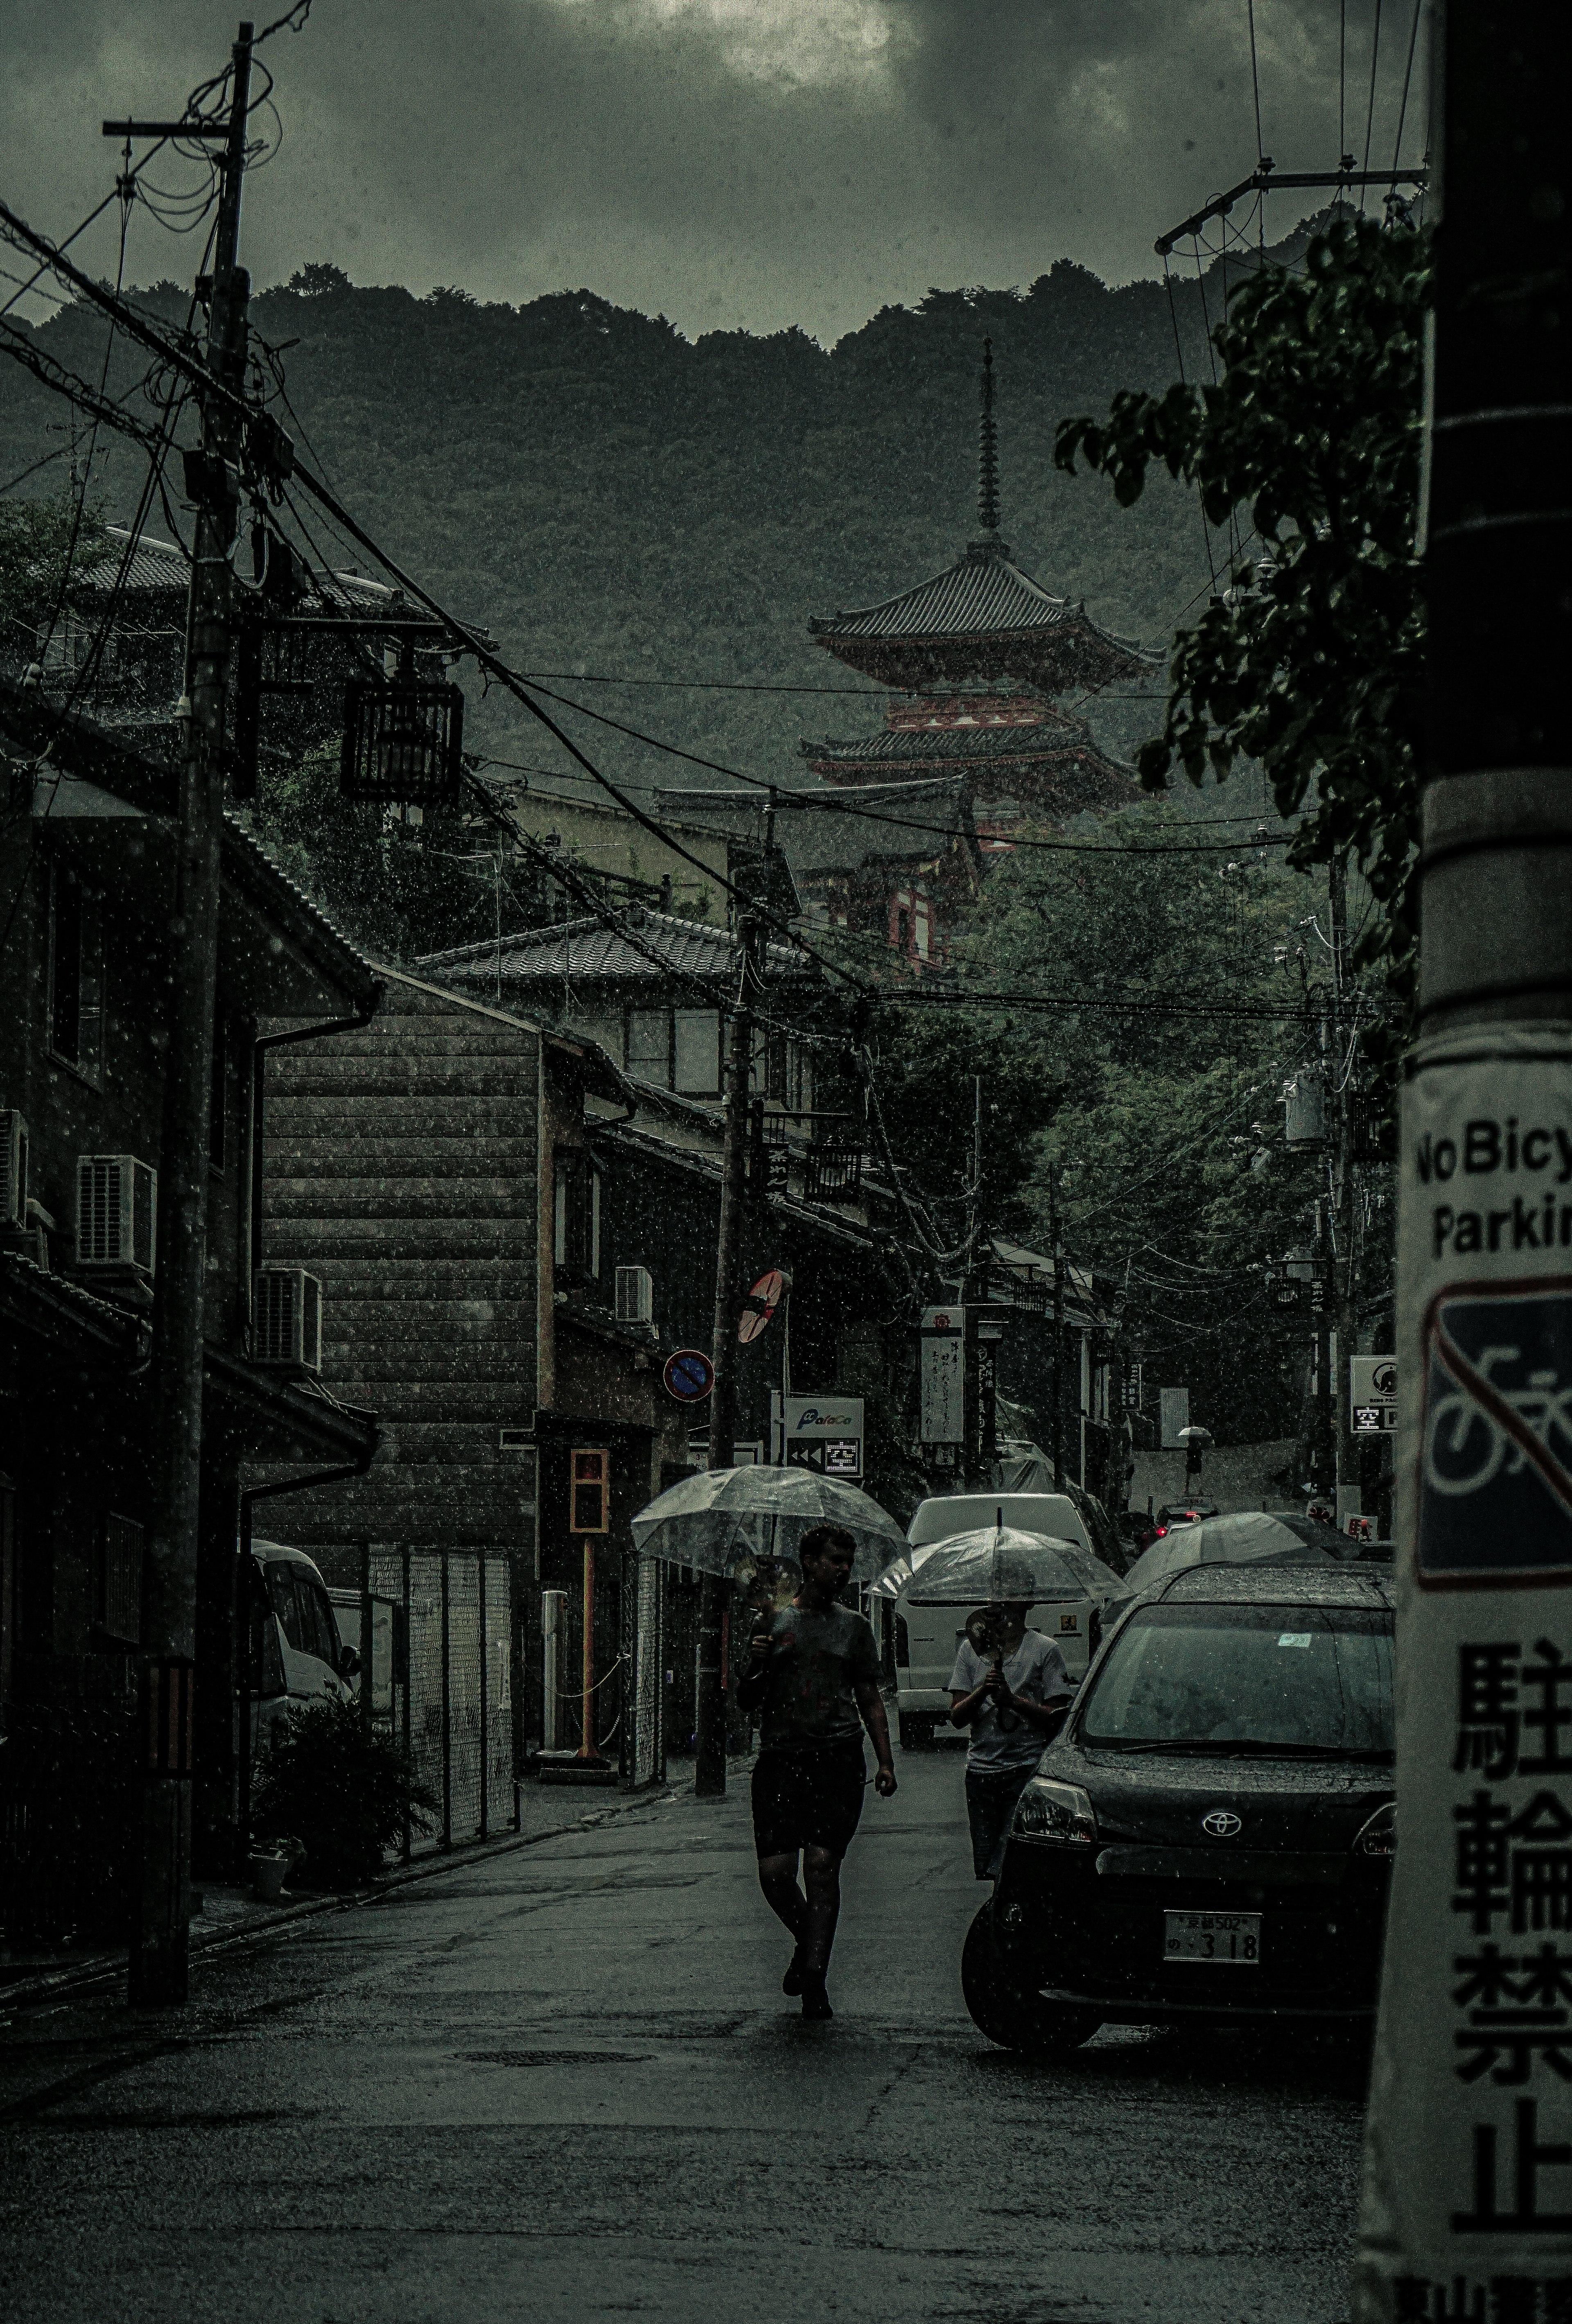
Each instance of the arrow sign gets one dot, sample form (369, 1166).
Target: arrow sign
(762, 1303)
(689, 1375)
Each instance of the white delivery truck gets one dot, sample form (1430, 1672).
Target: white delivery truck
(928, 1630)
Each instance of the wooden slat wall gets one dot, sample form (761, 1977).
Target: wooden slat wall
(402, 1169)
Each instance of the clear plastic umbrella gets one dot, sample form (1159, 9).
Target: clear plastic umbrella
(997, 1565)
(733, 1521)
(1246, 1538)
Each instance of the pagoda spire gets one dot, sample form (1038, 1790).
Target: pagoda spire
(988, 451)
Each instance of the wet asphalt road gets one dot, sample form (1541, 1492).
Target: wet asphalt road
(563, 2084)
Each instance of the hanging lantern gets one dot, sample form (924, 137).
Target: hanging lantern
(402, 742)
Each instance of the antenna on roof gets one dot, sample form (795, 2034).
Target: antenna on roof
(988, 450)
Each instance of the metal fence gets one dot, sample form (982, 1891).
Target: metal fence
(452, 1691)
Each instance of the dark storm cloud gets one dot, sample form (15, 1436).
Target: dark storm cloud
(727, 161)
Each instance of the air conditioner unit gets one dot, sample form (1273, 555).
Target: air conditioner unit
(13, 1170)
(116, 1213)
(287, 1328)
(635, 1294)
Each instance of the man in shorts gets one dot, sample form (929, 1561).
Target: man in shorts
(1013, 1696)
(813, 1677)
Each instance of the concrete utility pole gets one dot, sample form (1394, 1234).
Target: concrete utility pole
(1468, 2164)
(1056, 1441)
(709, 1720)
(174, 1438)
(1345, 1208)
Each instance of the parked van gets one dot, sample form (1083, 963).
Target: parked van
(928, 1630)
(298, 1656)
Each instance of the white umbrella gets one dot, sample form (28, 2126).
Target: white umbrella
(724, 1519)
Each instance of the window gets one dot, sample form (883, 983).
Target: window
(696, 1047)
(648, 1046)
(120, 1580)
(76, 972)
(305, 1617)
(577, 1218)
(902, 931)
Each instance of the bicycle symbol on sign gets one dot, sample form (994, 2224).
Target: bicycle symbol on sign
(1496, 1480)
(1466, 1445)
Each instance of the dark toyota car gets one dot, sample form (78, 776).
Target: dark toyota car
(1211, 1832)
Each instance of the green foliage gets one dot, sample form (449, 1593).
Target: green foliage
(398, 889)
(1312, 663)
(39, 539)
(1154, 1136)
(344, 1791)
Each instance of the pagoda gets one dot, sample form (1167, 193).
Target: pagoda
(976, 658)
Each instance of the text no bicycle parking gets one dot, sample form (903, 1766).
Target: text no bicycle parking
(1495, 1440)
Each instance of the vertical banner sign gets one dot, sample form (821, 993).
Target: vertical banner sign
(1468, 2178)
(1174, 1408)
(943, 1380)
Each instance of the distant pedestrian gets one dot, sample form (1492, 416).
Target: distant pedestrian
(1013, 1692)
(813, 1677)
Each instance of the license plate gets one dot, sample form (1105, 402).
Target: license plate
(1228, 1937)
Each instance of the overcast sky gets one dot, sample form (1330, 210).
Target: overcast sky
(751, 163)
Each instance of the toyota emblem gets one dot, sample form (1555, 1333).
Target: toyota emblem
(1222, 1823)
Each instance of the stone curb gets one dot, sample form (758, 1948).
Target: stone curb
(105, 1966)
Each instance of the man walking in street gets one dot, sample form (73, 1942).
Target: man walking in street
(813, 1677)
(1012, 1694)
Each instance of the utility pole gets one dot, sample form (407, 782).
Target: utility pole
(1468, 2152)
(709, 1721)
(1349, 1499)
(1057, 1335)
(158, 1951)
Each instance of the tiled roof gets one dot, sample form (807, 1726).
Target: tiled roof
(982, 593)
(586, 952)
(158, 566)
(244, 853)
(915, 745)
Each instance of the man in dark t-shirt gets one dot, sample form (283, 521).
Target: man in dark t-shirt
(813, 1677)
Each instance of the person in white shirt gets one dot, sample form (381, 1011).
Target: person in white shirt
(1012, 1694)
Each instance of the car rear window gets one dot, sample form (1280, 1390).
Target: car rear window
(1246, 1678)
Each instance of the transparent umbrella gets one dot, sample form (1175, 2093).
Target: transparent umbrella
(1247, 1538)
(997, 1565)
(733, 1521)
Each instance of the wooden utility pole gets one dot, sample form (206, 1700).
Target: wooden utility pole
(174, 1435)
(1467, 2202)
(710, 1722)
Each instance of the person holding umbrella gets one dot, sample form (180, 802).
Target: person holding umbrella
(1011, 1687)
(813, 1676)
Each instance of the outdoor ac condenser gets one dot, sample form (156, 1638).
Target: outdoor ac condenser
(116, 1213)
(13, 1169)
(287, 1328)
(635, 1295)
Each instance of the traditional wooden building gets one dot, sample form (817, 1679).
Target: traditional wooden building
(86, 865)
(901, 861)
(977, 659)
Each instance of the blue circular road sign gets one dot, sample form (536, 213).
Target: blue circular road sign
(689, 1375)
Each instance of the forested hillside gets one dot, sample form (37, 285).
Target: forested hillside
(613, 499)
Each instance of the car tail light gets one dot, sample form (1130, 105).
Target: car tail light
(1158, 1533)
(1378, 1838)
(902, 1643)
(1059, 1815)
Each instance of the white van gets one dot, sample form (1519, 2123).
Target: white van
(298, 1653)
(928, 1630)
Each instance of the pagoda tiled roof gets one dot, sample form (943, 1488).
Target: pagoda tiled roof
(984, 593)
(924, 745)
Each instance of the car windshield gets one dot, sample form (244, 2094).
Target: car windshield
(1285, 1679)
